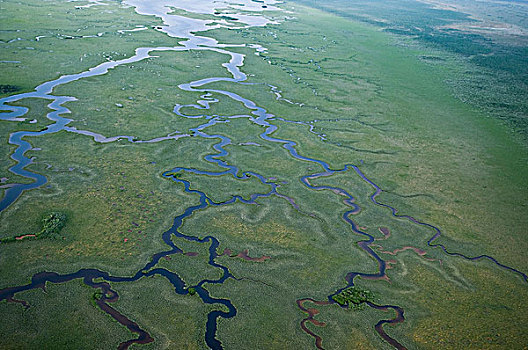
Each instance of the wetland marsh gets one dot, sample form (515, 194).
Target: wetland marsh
(260, 174)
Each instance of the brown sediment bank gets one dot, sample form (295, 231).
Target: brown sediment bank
(24, 303)
(25, 236)
(386, 233)
(312, 312)
(418, 251)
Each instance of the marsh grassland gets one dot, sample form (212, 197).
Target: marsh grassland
(292, 175)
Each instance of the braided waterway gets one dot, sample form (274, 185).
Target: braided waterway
(185, 28)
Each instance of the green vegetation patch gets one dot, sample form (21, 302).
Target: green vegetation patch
(52, 224)
(51, 227)
(6, 88)
(353, 297)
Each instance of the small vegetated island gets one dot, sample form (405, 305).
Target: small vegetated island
(245, 174)
(353, 297)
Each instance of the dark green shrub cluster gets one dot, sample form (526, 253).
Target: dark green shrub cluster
(52, 224)
(6, 89)
(353, 297)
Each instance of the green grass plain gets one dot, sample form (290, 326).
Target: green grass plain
(378, 103)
